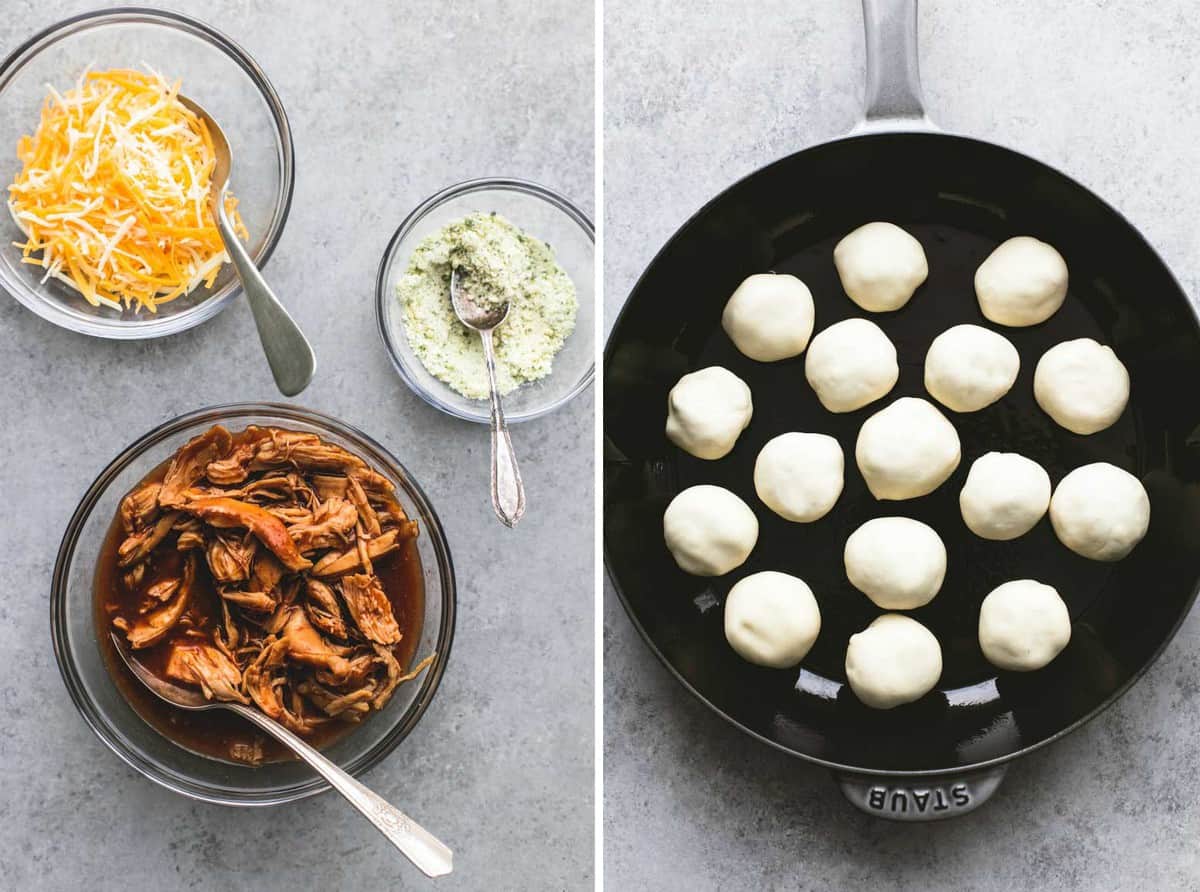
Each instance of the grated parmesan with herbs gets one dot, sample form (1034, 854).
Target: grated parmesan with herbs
(504, 263)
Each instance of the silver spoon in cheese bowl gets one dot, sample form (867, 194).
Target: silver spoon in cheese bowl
(288, 352)
(416, 843)
(473, 311)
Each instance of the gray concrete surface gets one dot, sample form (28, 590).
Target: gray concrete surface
(700, 94)
(501, 766)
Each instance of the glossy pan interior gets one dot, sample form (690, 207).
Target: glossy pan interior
(960, 198)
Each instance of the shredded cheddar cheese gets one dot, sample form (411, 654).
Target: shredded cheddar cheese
(113, 195)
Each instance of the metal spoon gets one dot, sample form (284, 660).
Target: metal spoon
(288, 351)
(508, 492)
(418, 845)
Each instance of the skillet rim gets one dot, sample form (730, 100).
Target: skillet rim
(841, 768)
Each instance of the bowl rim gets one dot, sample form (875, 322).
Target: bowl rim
(205, 310)
(466, 187)
(58, 595)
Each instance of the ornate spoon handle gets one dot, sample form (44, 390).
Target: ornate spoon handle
(420, 846)
(508, 492)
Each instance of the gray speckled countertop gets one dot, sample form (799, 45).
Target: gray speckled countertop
(700, 94)
(502, 762)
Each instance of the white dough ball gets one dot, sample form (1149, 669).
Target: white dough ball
(968, 367)
(907, 449)
(709, 530)
(850, 364)
(799, 476)
(1023, 282)
(769, 317)
(707, 411)
(897, 562)
(894, 660)
(880, 266)
(1100, 511)
(771, 619)
(1023, 625)
(1081, 385)
(1005, 495)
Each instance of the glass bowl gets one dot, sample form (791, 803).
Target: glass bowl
(105, 708)
(218, 74)
(542, 213)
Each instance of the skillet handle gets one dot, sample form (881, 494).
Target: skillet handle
(925, 799)
(893, 95)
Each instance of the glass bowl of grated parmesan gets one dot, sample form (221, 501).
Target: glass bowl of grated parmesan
(209, 68)
(549, 350)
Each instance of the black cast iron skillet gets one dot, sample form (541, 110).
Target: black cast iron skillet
(944, 754)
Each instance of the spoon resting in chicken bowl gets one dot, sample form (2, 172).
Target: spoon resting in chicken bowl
(267, 567)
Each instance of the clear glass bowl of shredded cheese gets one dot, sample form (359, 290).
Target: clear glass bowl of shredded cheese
(211, 69)
(538, 213)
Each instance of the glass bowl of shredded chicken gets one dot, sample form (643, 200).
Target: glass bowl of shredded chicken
(263, 554)
(108, 227)
(535, 250)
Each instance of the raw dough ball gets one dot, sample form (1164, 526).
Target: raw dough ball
(769, 317)
(1023, 282)
(897, 562)
(1100, 511)
(709, 530)
(799, 476)
(850, 364)
(771, 619)
(880, 266)
(1081, 385)
(1005, 495)
(1023, 625)
(707, 411)
(907, 450)
(894, 660)
(969, 367)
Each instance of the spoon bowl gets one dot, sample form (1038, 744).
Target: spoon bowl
(470, 313)
(164, 690)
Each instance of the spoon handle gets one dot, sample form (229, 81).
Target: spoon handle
(420, 846)
(508, 492)
(288, 352)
